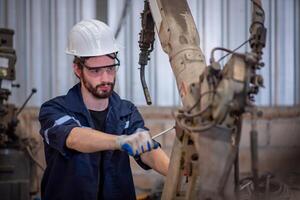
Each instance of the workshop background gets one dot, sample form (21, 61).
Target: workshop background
(41, 28)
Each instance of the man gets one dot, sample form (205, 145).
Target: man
(89, 133)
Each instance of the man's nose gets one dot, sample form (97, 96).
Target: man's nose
(105, 76)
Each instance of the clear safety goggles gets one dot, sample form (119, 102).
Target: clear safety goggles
(99, 70)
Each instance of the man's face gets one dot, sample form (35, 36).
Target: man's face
(98, 76)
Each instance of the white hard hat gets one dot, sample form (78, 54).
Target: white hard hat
(91, 38)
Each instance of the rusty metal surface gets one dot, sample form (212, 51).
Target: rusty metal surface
(179, 38)
(216, 154)
(213, 101)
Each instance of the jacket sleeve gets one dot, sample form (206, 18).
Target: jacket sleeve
(137, 121)
(56, 125)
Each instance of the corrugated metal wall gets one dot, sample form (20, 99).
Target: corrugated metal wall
(42, 26)
(220, 23)
(41, 29)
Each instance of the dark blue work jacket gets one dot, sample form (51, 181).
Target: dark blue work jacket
(74, 175)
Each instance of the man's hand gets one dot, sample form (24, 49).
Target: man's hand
(137, 143)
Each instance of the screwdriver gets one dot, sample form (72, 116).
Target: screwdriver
(163, 132)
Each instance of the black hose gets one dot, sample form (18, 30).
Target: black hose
(144, 85)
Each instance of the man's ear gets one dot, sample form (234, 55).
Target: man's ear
(77, 70)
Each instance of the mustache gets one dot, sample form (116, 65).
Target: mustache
(105, 84)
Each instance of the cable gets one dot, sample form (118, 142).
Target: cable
(123, 17)
(198, 113)
(186, 114)
(144, 85)
(203, 127)
(199, 100)
(233, 51)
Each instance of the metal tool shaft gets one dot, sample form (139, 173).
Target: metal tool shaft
(163, 132)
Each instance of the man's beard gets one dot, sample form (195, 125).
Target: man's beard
(96, 92)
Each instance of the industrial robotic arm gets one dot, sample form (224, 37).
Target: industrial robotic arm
(208, 127)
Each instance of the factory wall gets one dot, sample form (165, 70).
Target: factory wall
(41, 28)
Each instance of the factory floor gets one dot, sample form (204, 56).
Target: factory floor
(279, 186)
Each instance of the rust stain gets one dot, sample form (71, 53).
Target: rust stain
(182, 89)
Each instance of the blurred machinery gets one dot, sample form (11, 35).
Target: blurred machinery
(208, 127)
(16, 166)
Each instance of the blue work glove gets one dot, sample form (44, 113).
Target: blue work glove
(136, 143)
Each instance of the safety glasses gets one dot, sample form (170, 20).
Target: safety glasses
(99, 70)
